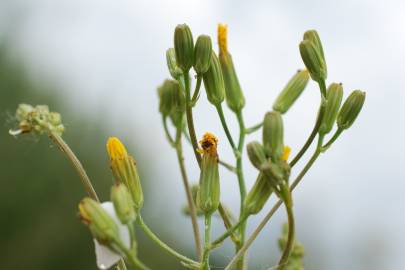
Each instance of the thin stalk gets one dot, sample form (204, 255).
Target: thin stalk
(131, 258)
(225, 126)
(315, 130)
(260, 227)
(189, 116)
(290, 239)
(229, 232)
(163, 245)
(167, 132)
(242, 187)
(207, 248)
(332, 140)
(254, 128)
(227, 222)
(227, 166)
(189, 195)
(196, 91)
(76, 164)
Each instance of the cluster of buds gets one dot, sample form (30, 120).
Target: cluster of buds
(109, 222)
(270, 158)
(38, 120)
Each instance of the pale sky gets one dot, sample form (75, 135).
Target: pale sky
(107, 57)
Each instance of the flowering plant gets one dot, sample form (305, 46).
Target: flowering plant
(112, 223)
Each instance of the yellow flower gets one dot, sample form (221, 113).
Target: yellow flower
(115, 148)
(286, 153)
(209, 144)
(223, 38)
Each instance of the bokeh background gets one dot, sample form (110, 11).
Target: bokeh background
(99, 63)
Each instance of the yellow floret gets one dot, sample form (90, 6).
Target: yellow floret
(115, 148)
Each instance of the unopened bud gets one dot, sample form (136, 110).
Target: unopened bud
(209, 192)
(351, 109)
(174, 69)
(214, 82)
(123, 203)
(202, 54)
(313, 60)
(233, 91)
(179, 105)
(312, 35)
(165, 92)
(258, 195)
(184, 47)
(334, 97)
(256, 154)
(291, 91)
(273, 135)
(124, 170)
(101, 225)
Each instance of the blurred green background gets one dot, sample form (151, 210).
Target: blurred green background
(39, 189)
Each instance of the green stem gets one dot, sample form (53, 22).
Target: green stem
(242, 187)
(311, 136)
(189, 195)
(254, 128)
(133, 237)
(207, 248)
(189, 116)
(224, 213)
(167, 132)
(163, 245)
(76, 164)
(332, 140)
(290, 239)
(227, 166)
(130, 256)
(225, 126)
(196, 91)
(229, 232)
(271, 212)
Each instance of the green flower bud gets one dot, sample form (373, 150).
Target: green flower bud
(273, 135)
(334, 97)
(351, 109)
(312, 35)
(313, 60)
(258, 195)
(174, 69)
(165, 92)
(184, 47)
(179, 104)
(256, 154)
(209, 192)
(291, 91)
(214, 82)
(123, 203)
(101, 225)
(233, 91)
(202, 54)
(124, 170)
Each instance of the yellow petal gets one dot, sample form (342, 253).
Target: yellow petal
(115, 148)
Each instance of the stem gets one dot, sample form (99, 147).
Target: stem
(254, 128)
(227, 166)
(290, 239)
(229, 232)
(196, 91)
(76, 164)
(315, 130)
(190, 121)
(332, 140)
(163, 245)
(167, 132)
(131, 258)
(242, 187)
(190, 201)
(227, 221)
(207, 248)
(272, 211)
(225, 126)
